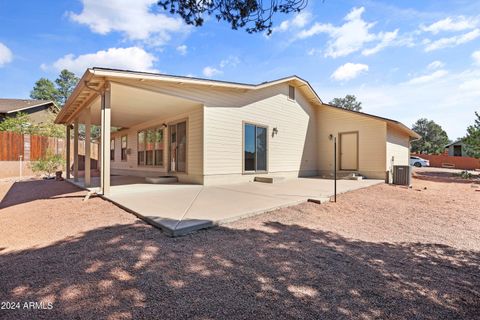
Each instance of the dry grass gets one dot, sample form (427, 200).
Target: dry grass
(381, 252)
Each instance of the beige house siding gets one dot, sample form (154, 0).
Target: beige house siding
(371, 136)
(398, 148)
(194, 173)
(301, 147)
(291, 152)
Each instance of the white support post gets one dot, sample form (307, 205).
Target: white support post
(75, 150)
(105, 140)
(88, 122)
(67, 152)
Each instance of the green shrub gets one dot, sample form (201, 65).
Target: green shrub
(48, 164)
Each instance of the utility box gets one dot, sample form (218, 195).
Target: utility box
(402, 175)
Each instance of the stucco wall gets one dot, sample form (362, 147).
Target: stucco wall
(11, 169)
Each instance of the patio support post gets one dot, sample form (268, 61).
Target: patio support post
(105, 140)
(88, 122)
(67, 152)
(75, 150)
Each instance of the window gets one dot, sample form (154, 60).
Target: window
(124, 148)
(255, 148)
(112, 149)
(291, 92)
(150, 147)
(149, 139)
(141, 148)
(159, 147)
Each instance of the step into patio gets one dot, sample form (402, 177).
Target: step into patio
(161, 179)
(268, 179)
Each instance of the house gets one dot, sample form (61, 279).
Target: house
(217, 132)
(37, 110)
(456, 149)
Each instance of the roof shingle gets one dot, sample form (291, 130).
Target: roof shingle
(10, 105)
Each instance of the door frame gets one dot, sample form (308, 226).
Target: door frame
(340, 149)
(174, 123)
(256, 124)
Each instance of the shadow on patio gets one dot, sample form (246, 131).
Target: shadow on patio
(285, 271)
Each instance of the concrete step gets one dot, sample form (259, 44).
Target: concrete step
(344, 175)
(161, 179)
(268, 179)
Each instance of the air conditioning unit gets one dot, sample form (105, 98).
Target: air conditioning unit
(402, 175)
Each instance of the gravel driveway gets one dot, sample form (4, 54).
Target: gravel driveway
(381, 252)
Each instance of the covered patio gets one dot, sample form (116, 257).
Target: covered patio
(179, 209)
(123, 109)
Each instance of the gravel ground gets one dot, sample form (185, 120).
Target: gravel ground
(383, 252)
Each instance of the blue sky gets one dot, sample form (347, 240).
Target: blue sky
(402, 59)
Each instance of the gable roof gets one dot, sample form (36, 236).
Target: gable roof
(108, 73)
(459, 141)
(16, 105)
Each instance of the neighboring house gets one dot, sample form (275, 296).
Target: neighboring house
(215, 132)
(38, 110)
(456, 149)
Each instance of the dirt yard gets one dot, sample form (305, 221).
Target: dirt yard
(383, 252)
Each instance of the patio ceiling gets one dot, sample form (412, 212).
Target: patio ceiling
(134, 105)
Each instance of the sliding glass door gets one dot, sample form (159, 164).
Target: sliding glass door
(255, 148)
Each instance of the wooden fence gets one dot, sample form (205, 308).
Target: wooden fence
(11, 146)
(32, 148)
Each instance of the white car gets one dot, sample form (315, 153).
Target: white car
(419, 162)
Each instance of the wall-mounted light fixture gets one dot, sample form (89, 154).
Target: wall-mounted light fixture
(164, 125)
(330, 137)
(275, 131)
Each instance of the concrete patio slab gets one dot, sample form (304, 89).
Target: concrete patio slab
(179, 209)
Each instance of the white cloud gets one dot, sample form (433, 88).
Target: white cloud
(137, 20)
(349, 71)
(437, 64)
(428, 77)
(300, 20)
(451, 41)
(476, 57)
(386, 39)
(470, 85)
(211, 72)
(6, 55)
(459, 23)
(313, 51)
(351, 36)
(182, 49)
(231, 61)
(133, 58)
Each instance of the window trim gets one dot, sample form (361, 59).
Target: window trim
(112, 148)
(187, 145)
(121, 148)
(153, 165)
(248, 172)
(294, 93)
